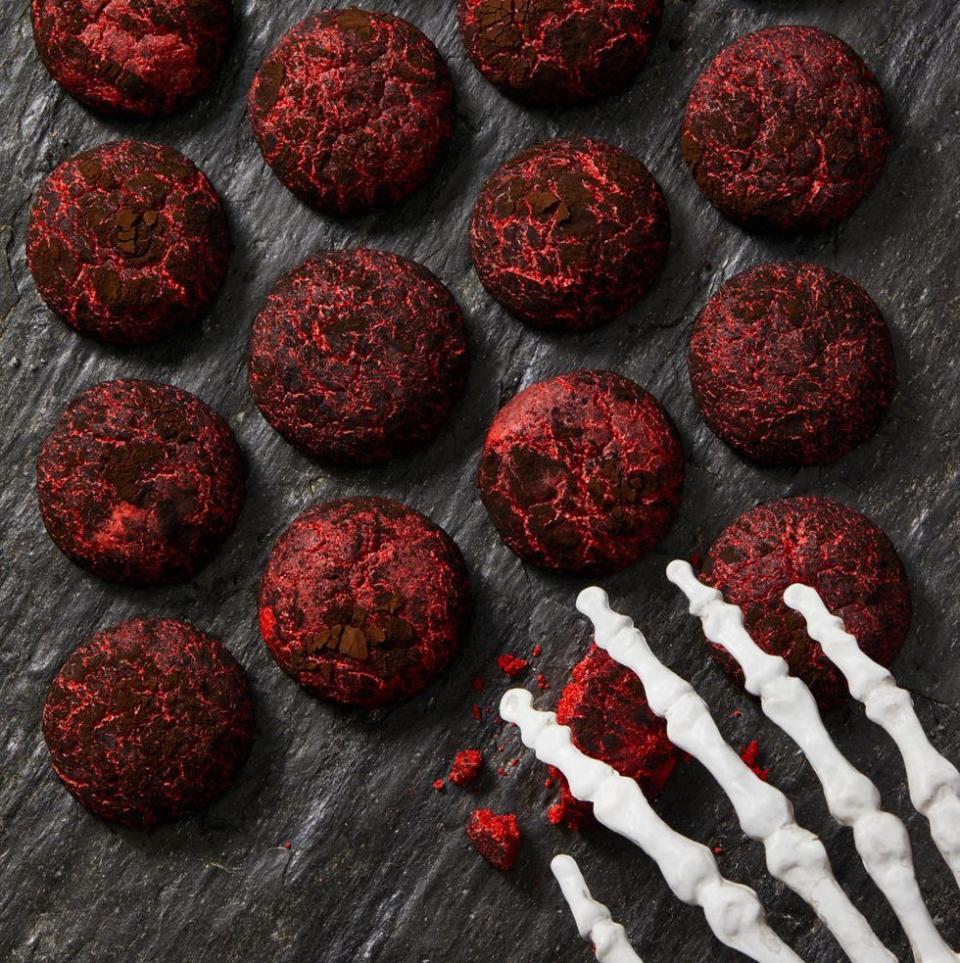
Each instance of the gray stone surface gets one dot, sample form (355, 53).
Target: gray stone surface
(378, 867)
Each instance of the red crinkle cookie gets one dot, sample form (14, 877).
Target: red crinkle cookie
(582, 473)
(358, 356)
(786, 130)
(817, 542)
(128, 242)
(352, 110)
(570, 234)
(495, 837)
(137, 58)
(606, 708)
(139, 483)
(364, 601)
(792, 364)
(148, 721)
(559, 52)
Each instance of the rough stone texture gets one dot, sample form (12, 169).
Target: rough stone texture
(378, 867)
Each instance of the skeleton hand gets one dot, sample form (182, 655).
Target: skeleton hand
(794, 855)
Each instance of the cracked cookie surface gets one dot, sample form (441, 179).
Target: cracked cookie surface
(792, 364)
(364, 601)
(139, 483)
(569, 234)
(551, 53)
(582, 473)
(135, 58)
(352, 110)
(815, 541)
(128, 242)
(148, 721)
(358, 356)
(786, 130)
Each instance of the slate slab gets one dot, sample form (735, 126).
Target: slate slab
(378, 867)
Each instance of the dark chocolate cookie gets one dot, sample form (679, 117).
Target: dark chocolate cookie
(569, 234)
(817, 542)
(364, 601)
(786, 130)
(352, 110)
(148, 721)
(128, 242)
(791, 364)
(559, 52)
(137, 58)
(139, 483)
(582, 473)
(358, 356)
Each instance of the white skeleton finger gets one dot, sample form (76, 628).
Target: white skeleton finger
(794, 855)
(732, 910)
(593, 919)
(853, 800)
(934, 782)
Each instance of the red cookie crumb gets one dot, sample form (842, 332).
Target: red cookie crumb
(606, 708)
(358, 356)
(751, 756)
(139, 483)
(542, 682)
(817, 542)
(128, 242)
(537, 651)
(510, 665)
(352, 110)
(558, 52)
(136, 58)
(786, 130)
(495, 837)
(364, 601)
(438, 785)
(582, 473)
(148, 721)
(792, 364)
(569, 234)
(466, 767)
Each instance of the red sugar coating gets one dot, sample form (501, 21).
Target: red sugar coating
(148, 721)
(791, 364)
(358, 356)
(537, 651)
(138, 58)
(466, 767)
(352, 110)
(569, 234)
(751, 756)
(542, 682)
(139, 483)
(510, 665)
(495, 837)
(605, 706)
(559, 52)
(786, 130)
(364, 601)
(438, 785)
(582, 473)
(128, 242)
(817, 542)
